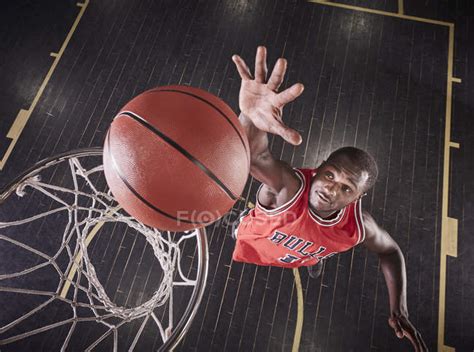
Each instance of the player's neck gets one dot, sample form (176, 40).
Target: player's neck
(326, 215)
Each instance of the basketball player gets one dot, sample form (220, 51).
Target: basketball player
(303, 216)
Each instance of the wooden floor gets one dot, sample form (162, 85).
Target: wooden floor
(374, 81)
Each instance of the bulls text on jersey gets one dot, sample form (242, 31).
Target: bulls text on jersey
(298, 247)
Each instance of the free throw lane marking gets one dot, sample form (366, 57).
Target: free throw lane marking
(300, 314)
(24, 115)
(449, 226)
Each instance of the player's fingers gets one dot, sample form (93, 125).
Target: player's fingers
(410, 332)
(261, 65)
(289, 94)
(242, 68)
(420, 341)
(414, 336)
(395, 325)
(423, 344)
(278, 73)
(411, 336)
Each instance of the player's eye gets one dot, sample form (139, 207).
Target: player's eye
(329, 175)
(346, 189)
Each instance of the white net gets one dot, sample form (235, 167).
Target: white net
(78, 208)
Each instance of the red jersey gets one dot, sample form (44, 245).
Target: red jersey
(292, 235)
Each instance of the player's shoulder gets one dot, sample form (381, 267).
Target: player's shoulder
(367, 217)
(269, 200)
(308, 172)
(371, 228)
(377, 239)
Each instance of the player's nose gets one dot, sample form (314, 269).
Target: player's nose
(331, 189)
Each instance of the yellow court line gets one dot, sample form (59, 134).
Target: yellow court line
(24, 115)
(383, 13)
(449, 226)
(300, 314)
(401, 10)
(77, 260)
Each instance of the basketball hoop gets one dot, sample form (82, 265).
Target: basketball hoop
(68, 193)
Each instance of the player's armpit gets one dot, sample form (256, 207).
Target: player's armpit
(280, 182)
(377, 240)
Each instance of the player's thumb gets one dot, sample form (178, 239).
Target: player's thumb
(396, 326)
(290, 135)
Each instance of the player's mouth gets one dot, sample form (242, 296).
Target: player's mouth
(324, 197)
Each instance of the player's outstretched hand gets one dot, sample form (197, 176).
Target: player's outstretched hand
(259, 99)
(404, 328)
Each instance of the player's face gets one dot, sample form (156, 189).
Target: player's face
(336, 185)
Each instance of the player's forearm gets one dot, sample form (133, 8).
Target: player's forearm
(263, 167)
(258, 140)
(275, 174)
(393, 268)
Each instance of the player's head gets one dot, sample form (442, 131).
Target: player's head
(341, 179)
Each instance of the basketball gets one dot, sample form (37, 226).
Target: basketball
(176, 158)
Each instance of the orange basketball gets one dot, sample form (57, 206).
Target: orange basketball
(176, 158)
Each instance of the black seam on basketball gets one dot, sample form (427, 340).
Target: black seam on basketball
(180, 149)
(131, 189)
(209, 103)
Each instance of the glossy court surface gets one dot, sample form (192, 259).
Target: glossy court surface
(393, 77)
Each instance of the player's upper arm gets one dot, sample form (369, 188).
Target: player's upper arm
(377, 239)
(280, 182)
